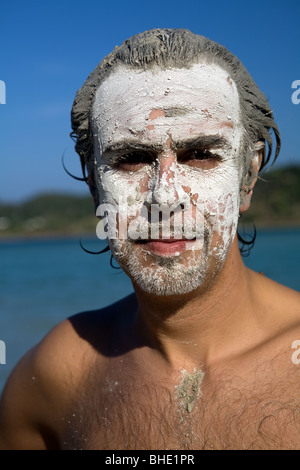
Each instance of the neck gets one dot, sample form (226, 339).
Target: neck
(196, 329)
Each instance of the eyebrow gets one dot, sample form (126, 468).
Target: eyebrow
(128, 144)
(202, 141)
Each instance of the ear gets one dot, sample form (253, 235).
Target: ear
(251, 177)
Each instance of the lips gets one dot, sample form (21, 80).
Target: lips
(167, 247)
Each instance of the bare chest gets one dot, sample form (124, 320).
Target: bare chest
(127, 413)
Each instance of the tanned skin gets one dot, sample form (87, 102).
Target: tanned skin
(107, 379)
(208, 367)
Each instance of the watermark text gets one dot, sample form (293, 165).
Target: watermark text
(2, 352)
(296, 94)
(296, 354)
(2, 92)
(157, 221)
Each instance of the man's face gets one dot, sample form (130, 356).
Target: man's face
(170, 139)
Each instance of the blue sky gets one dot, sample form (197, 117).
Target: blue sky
(48, 49)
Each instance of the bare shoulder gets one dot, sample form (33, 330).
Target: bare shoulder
(277, 309)
(38, 392)
(32, 394)
(276, 299)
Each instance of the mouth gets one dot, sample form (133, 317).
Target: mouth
(167, 247)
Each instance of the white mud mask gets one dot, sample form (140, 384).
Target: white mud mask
(172, 138)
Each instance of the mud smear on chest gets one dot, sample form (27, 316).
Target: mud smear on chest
(189, 390)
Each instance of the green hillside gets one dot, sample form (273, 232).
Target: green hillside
(48, 214)
(276, 202)
(276, 199)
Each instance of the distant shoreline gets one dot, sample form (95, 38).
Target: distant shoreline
(50, 236)
(275, 206)
(47, 236)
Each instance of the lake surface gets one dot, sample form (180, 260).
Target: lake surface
(44, 281)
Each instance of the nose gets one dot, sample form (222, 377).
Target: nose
(165, 187)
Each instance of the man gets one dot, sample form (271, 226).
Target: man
(200, 356)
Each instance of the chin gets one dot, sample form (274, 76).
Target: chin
(179, 274)
(162, 275)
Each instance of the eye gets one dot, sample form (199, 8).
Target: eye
(134, 161)
(201, 158)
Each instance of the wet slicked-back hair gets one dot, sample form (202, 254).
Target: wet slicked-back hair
(170, 48)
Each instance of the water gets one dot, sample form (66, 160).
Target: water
(43, 282)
